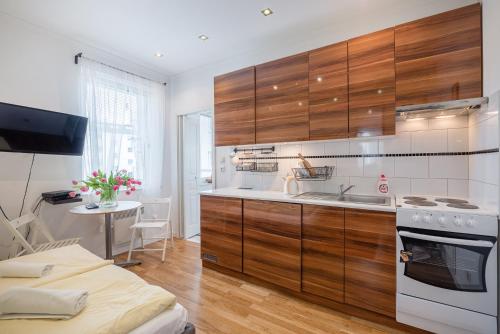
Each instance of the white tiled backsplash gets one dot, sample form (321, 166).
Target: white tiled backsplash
(483, 168)
(434, 175)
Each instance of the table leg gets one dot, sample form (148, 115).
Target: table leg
(109, 249)
(107, 232)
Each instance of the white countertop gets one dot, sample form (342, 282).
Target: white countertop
(278, 196)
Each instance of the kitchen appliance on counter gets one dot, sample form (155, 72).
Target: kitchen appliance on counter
(446, 265)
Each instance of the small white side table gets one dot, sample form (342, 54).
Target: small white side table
(108, 216)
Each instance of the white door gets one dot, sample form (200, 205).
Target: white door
(197, 167)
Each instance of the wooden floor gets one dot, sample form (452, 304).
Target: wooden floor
(221, 304)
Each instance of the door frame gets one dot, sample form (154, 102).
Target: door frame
(180, 164)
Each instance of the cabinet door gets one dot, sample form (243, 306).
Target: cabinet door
(328, 93)
(282, 112)
(221, 231)
(372, 85)
(439, 58)
(323, 251)
(370, 260)
(234, 97)
(271, 242)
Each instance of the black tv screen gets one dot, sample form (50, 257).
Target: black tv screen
(30, 130)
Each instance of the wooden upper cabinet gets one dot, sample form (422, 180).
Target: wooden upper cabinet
(372, 84)
(323, 251)
(370, 260)
(439, 58)
(328, 93)
(272, 242)
(282, 111)
(234, 97)
(221, 231)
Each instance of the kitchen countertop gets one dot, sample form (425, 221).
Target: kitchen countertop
(278, 196)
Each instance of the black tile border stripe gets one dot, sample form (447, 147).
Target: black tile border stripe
(341, 156)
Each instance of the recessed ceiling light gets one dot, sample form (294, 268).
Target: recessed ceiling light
(203, 37)
(266, 11)
(415, 119)
(159, 54)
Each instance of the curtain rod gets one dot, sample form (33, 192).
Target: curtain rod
(80, 55)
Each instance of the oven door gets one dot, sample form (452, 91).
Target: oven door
(450, 268)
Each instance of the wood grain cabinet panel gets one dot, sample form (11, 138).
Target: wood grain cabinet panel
(234, 114)
(271, 242)
(372, 85)
(282, 109)
(439, 58)
(370, 260)
(323, 251)
(221, 231)
(328, 93)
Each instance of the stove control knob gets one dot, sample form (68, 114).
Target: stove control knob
(458, 221)
(427, 219)
(442, 221)
(470, 222)
(415, 218)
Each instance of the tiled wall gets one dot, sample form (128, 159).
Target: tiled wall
(484, 168)
(434, 175)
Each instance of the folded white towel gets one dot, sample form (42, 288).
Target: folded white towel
(24, 269)
(19, 302)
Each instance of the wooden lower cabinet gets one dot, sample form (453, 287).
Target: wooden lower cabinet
(221, 231)
(271, 242)
(370, 260)
(323, 251)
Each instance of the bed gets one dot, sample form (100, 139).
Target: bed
(119, 301)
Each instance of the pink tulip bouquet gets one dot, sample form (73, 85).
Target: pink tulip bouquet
(107, 187)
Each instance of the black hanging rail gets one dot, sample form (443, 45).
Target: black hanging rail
(80, 55)
(263, 150)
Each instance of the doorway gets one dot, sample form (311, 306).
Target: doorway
(196, 152)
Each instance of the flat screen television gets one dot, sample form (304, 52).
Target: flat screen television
(30, 130)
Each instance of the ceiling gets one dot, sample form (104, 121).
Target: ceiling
(137, 29)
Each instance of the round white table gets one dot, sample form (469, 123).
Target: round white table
(108, 217)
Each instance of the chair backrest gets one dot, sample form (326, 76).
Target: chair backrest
(164, 202)
(37, 226)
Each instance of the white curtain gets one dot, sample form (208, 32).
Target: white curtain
(126, 128)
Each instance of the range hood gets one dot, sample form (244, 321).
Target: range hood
(440, 109)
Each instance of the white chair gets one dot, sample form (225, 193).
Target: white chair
(37, 226)
(142, 223)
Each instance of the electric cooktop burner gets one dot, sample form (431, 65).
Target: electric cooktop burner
(415, 198)
(421, 203)
(463, 206)
(451, 200)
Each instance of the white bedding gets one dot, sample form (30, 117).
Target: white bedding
(171, 321)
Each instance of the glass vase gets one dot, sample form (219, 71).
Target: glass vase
(108, 198)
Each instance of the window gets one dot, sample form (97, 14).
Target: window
(126, 123)
(205, 146)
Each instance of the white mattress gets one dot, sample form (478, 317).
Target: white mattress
(171, 321)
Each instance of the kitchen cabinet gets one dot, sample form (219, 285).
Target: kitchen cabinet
(282, 106)
(221, 231)
(234, 111)
(439, 58)
(271, 242)
(328, 93)
(323, 251)
(372, 84)
(370, 260)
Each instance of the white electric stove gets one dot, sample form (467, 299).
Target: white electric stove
(446, 265)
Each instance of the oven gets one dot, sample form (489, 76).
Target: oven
(449, 268)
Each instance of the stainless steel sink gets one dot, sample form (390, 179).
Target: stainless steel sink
(359, 199)
(363, 199)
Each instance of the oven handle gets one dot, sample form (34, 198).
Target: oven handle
(455, 241)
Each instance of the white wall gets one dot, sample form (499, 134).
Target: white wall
(37, 69)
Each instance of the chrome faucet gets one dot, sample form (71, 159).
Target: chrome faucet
(342, 191)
